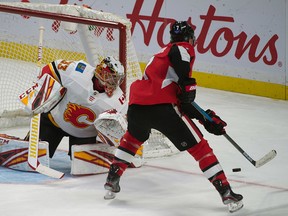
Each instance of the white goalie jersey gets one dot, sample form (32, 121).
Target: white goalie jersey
(81, 105)
(66, 89)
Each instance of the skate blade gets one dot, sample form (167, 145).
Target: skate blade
(235, 206)
(109, 195)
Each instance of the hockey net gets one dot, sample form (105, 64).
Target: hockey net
(72, 33)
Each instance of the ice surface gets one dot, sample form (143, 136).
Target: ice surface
(172, 186)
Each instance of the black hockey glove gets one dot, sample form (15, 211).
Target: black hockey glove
(215, 127)
(188, 88)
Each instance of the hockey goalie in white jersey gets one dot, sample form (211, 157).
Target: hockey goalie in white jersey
(85, 104)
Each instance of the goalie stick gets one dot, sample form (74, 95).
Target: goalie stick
(265, 159)
(34, 132)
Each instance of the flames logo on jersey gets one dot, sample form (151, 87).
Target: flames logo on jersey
(79, 116)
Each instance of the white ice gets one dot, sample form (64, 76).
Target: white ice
(172, 186)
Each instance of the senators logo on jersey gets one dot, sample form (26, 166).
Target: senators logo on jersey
(79, 116)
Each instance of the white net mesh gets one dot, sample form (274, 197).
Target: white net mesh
(89, 35)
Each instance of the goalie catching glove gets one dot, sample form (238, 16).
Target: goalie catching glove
(111, 126)
(188, 91)
(215, 127)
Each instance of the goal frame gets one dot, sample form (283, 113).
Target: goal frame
(124, 49)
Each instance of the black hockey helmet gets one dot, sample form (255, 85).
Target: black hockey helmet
(181, 31)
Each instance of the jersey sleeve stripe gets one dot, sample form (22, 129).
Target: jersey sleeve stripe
(55, 72)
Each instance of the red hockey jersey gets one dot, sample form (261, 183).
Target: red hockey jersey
(159, 82)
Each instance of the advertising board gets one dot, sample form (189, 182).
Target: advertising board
(241, 45)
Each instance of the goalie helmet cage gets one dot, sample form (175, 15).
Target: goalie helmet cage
(71, 32)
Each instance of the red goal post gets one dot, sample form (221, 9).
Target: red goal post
(71, 32)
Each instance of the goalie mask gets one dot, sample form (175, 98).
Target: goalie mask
(110, 73)
(181, 31)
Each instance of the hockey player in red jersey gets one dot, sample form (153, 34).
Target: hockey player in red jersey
(162, 100)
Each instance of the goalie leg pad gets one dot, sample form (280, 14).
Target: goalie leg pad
(14, 153)
(89, 159)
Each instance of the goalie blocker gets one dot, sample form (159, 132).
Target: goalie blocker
(43, 95)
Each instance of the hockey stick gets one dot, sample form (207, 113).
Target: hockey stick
(265, 159)
(34, 131)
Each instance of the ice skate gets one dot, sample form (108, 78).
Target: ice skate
(112, 183)
(229, 198)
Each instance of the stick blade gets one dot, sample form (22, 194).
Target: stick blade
(268, 157)
(49, 172)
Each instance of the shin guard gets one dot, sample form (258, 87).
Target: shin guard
(208, 162)
(126, 151)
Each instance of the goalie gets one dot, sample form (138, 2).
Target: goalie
(85, 104)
